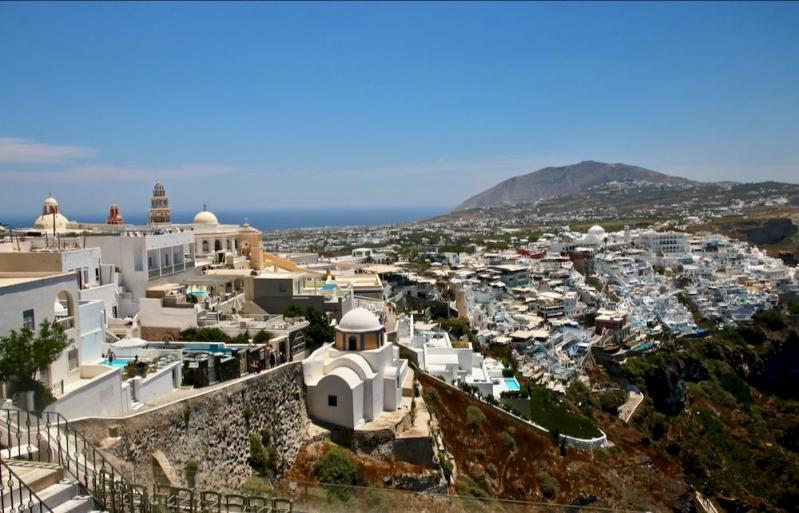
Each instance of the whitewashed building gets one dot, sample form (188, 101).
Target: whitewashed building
(358, 376)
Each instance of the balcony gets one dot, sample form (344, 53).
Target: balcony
(66, 322)
(166, 270)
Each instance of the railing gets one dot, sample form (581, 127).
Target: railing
(16, 496)
(66, 322)
(51, 439)
(186, 500)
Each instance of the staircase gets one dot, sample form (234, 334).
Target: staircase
(48, 467)
(40, 487)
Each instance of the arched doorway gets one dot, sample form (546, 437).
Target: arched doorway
(64, 310)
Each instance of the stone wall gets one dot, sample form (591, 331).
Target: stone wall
(216, 435)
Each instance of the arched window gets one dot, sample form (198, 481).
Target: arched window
(205, 247)
(353, 343)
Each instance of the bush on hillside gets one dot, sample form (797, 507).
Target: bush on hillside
(548, 485)
(474, 417)
(336, 467)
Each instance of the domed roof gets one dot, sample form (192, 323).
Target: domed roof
(47, 221)
(597, 230)
(359, 320)
(205, 217)
(50, 201)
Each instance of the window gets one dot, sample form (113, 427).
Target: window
(353, 343)
(332, 401)
(28, 320)
(97, 274)
(72, 358)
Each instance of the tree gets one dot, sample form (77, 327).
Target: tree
(204, 335)
(242, 338)
(319, 329)
(23, 354)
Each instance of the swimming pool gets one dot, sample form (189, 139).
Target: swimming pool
(512, 384)
(118, 363)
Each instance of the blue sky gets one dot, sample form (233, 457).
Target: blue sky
(258, 105)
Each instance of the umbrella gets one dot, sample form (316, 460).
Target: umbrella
(129, 343)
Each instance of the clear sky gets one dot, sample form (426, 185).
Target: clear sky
(258, 105)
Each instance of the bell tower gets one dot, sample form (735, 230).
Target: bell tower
(159, 206)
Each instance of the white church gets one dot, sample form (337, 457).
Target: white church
(355, 378)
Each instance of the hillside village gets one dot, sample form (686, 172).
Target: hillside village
(360, 331)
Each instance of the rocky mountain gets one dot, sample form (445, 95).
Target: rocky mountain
(551, 182)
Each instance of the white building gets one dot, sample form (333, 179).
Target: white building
(355, 378)
(28, 298)
(144, 258)
(434, 353)
(664, 242)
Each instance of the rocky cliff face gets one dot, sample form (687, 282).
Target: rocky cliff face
(214, 430)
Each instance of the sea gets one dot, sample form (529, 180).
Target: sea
(269, 219)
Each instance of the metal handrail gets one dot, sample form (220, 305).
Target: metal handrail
(70, 449)
(50, 438)
(26, 497)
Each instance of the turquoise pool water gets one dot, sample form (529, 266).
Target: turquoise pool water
(512, 384)
(118, 363)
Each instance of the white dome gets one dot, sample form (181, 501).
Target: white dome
(359, 320)
(46, 222)
(50, 201)
(597, 231)
(205, 217)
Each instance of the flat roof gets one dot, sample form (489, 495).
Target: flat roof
(8, 279)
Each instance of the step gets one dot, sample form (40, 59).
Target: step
(83, 504)
(59, 493)
(37, 475)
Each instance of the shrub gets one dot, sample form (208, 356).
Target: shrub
(336, 467)
(431, 395)
(479, 454)
(190, 471)
(186, 414)
(474, 417)
(771, 319)
(263, 454)
(492, 470)
(611, 400)
(737, 387)
(548, 485)
(262, 337)
(204, 335)
(247, 414)
(242, 338)
(507, 440)
(508, 372)
(446, 467)
(659, 426)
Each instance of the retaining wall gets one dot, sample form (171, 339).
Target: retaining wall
(216, 435)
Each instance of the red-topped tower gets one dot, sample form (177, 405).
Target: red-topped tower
(113, 215)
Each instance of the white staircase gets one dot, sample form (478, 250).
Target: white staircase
(40, 487)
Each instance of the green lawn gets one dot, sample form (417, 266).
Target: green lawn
(544, 410)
